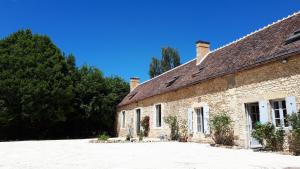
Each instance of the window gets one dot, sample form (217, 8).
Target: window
(158, 115)
(200, 120)
(138, 121)
(294, 37)
(123, 119)
(169, 83)
(200, 68)
(280, 113)
(130, 96)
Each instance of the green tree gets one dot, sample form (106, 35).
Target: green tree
(155, 67)
(170, 59)
(44, 95)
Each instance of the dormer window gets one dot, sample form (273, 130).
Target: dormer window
(130, 96)
(169, 83)
(294, 37)
(198, 72)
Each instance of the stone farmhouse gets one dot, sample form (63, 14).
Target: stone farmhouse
(255, 78)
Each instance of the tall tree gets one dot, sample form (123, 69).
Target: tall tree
(155, 67)
(170, 59)
(44, 95)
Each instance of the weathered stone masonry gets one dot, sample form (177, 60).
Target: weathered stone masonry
(225, 94)
(254, 79)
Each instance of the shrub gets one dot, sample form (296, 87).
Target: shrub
(103, 137)
(173, 125)
(145, 124)
(268, 136)
(294, 136)
(221, 126)
(183, 130)
(141, 135)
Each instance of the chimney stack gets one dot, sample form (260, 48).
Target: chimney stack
(202, 48)
(134, 82)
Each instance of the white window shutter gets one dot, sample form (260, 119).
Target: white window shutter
(154, 117)
(263, 111)
(291, 106)
(190, 120)
(206, 119)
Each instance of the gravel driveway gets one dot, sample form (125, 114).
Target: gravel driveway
(75, 154)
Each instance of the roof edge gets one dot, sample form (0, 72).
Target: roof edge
(283, 56)
(228, 44)
(256, 31)
(168, 71)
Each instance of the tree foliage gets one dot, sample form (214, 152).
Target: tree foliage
(44, 95)
(170, 59)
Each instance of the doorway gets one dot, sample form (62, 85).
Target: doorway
(253, 118)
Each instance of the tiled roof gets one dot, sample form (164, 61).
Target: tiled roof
(260, 47)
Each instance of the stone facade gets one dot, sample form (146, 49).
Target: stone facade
(275, 80)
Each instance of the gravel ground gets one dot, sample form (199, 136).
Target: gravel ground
(75, 154)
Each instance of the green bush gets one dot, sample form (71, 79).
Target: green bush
(103, 137)
(183, 131)
(221, 125)
(173, 125)
(294, 136)
(268, 136)
(145, 124)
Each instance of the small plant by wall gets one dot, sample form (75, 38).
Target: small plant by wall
(269, 137)
(183, 131)
(294, 136)
(173, 125)
(145, 124)
(141, 135)
(103, 137)
(221, 126)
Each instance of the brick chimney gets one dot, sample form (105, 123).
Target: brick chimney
(134, 82)
(202, 48)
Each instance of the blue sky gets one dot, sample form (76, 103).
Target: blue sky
(120, 36)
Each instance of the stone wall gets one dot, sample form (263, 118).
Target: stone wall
(224, 94)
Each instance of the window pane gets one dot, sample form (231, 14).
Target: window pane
(202, 121)
(277, 114)
(277, 122)
(138, 121)
(283, 104)
(276, 105)
(159, 118)
(158, 115)
(123, 123)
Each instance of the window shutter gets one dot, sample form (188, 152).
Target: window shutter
(154, 116)
(263, 111)
(190, 120)
(206, 119)
(291, 106)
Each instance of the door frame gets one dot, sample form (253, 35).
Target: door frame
(249, 126)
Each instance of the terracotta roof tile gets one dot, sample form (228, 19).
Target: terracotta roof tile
(265, 45)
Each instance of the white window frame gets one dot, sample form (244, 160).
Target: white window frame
(281, 115)
(155, 116)
(199, 119)
(123, 122)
